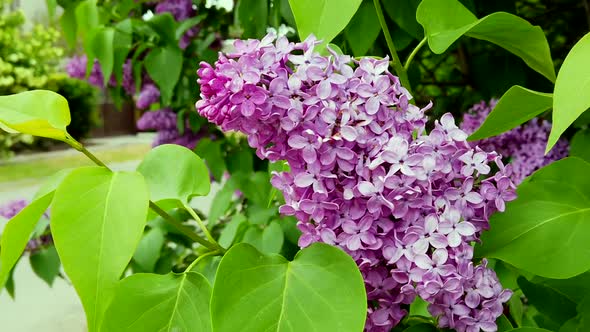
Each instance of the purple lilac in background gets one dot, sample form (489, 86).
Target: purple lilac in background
(76, 68)
(523, 146)
(366, 177)
(164, 121)
(11, 209)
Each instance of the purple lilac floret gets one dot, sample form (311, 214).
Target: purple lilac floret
(148, 95)
(366, 177)
(180, 9)
(164, 122)
(523, 146)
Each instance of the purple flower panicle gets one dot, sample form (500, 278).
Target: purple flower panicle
(523, 146)
(365, 176)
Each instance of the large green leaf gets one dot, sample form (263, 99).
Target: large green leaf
(403, 13)
(445, 21)
(320, 290)
(103, 48)
(575, 288)
(152, 302)
(580, 145)
(97, 219)
(38, 112)
(174, 172)
(570, 97)
(516, 106)
(363, 29)
(545, 231)
(529, 329)
(548, 301)
(17, 233)
(164, 66)
(323, 18)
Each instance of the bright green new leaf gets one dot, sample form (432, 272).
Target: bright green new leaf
(571, 97)
(445, 21)
(103, 48)
(320, 290)
(17, 233)
(45, 263)
(545, 230)
(152, 302)
(148, 250)
(548, 301)
(268, 240)
(580, 145)
(164, 66)
(37, 112)
(97, 220)
(174, 172)
(363, 29)
(323, 18)
(516, 106)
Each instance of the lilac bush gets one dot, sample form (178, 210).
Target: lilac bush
(523, 146)
(365, 175)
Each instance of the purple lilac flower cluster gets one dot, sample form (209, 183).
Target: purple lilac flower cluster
(365, 176)
(76, 68)
(164, 121)
(11, 209)
(523, 146)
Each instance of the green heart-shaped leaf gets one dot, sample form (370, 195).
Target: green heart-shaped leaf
(152, 302)
(445, 21)
(97, 220)
(545, 231)
(320, 290)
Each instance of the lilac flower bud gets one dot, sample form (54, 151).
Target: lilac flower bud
(365, 176)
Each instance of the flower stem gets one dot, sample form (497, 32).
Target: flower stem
(414, 52)
(198, 259)
(195, 216)
(397, 65)
(180, 227)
